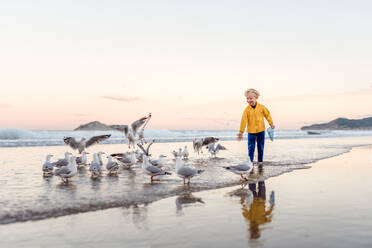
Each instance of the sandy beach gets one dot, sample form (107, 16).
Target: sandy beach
(327, 205)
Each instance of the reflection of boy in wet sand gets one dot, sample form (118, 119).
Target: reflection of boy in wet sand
(257, 214)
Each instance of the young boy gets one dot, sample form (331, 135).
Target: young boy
(253, 119)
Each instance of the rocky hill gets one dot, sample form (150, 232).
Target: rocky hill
(343, 124)
(94, 125)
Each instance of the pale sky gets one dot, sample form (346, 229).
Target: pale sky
(65, 63)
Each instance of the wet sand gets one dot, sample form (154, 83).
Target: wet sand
(325, 206)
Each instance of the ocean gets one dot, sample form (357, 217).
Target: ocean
(26, 195)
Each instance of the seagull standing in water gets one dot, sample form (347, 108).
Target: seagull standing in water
(95, 166)
(214, 150)
(241, 169)
(112, 166)
(132, 132)
(83, 143)
(185, 172)
(177, 154)
(67, 171)
(199, 143)
(63, 161)
(151, 170)
(185, 153)
(158, 162)
(48, 166)
(127, 161)
(82, 160)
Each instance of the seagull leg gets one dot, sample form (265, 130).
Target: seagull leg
(184, 181)
(188, 181)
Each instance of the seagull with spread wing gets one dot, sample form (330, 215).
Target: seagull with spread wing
(83, 143)
(133, 132)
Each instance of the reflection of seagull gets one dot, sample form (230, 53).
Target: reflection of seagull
(241, 169)
(48, 166)
(214, 150)
(186, 200)
(130, 132)
(67, 171)
(151, 170)
(83, 143)
(111, 166)
(63, 161)
(185, 172)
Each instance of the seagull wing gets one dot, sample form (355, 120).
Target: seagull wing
(97, 139)
(62, 171)
(138, 123)
(148, 148)
(71, 142)
(221, 147)
(141, 147)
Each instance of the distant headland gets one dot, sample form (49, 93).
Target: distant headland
(342, 124)
(96, 126)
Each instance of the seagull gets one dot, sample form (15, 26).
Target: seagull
(48, 166)
(199, 143)
(82, 160)
(209, 140)
(127, 161)
(68, 171)
(99, 155)
(185, 153)
(147, 151)
(63, 161)
(83, 143)
(151, 170)
(241, 169)
(214, 150)
(130, 132)
(112, 166)
(95, 166)
(158, 162)
(184, 171)
(177, 154)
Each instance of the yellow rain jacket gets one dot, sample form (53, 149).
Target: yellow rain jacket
(253, 119)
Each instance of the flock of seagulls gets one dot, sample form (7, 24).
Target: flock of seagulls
(68, 166)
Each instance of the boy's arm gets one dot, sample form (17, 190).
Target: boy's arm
(243, 122)
(267, 115)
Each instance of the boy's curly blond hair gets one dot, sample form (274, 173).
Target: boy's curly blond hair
(252, 91)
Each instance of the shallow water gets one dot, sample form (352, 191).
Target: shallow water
(26, 195)
(323, 207)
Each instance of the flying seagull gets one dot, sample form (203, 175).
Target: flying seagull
(83, 143)
(133, 132)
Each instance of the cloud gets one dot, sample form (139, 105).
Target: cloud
(122, 98)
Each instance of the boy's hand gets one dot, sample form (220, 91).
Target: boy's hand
(240, 136)
(272, 126)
